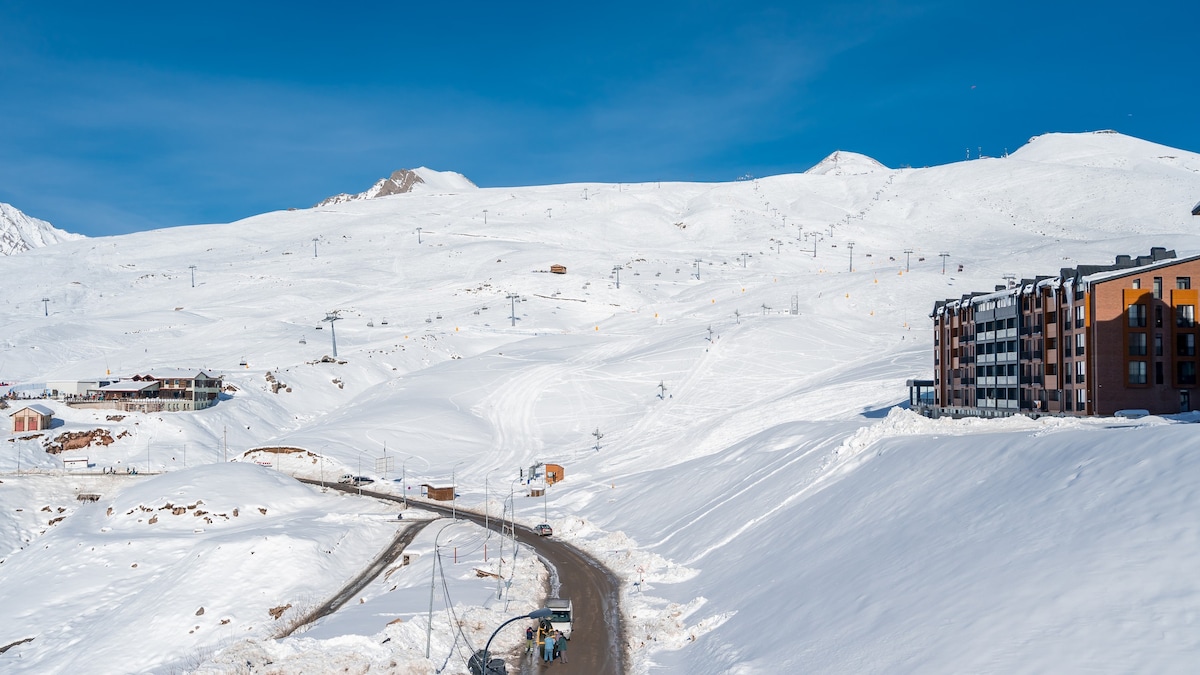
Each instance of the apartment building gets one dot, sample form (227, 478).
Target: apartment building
(1091, 341)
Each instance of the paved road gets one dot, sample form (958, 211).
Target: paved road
(598, 632)
(403, 538)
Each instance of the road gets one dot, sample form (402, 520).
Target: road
(597, 643)
(403, 538)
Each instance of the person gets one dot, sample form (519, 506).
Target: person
(558, 640)
(529, 639)
(548, 655)
(561, 646)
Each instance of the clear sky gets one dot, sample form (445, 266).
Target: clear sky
(129, 116)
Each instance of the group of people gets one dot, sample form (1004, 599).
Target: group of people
(555, 646)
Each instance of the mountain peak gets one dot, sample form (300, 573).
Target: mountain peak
(403, 181)
(842, 163)
(19, 232)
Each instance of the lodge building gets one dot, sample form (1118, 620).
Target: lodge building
(1093, 340)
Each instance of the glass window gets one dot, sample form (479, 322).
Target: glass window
(1079, 342)
(1137, 316)
(1080, 398)
(1185, 344)
(1183, 283)
(1137, 344)
(1158, 372)
(1187, 372)
(1185, 316)
(1137, 283)
(1158, 344)
(1137, 372)
(1080, 369)
(1158, 316)
(1079, 316)
(1157, 287)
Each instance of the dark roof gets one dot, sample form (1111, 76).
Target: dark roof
(1196, 209)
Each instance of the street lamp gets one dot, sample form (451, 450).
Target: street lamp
(479, 663)
(454, 487)
(432, 579)
(486, 503)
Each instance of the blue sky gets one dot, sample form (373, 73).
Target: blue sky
(160, 114)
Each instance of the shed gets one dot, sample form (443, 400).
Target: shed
(558, 269)
(75, 462)
(32, 418)
(441, 494)
(554, 473)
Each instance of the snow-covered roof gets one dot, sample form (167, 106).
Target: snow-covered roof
(178, 373)
(39, 409)
(129, 385)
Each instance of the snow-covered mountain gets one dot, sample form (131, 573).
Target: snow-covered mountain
(19, 232)
(842, 163)
(403, 181)
(721, 376)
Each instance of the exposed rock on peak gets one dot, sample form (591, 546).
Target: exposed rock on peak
(404, 181)
(19, 232)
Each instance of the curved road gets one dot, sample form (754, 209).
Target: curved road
(597, 647)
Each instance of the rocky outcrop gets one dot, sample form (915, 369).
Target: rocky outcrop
(400, 182)
(20, 233)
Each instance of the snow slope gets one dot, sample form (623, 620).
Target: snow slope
(755, 474)
(19, 232)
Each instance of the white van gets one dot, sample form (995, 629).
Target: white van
(561, 615)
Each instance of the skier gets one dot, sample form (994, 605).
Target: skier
(561, 646)
(548, 655)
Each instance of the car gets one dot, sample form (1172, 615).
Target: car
(560, 618)
(355, 480)
(544, 530)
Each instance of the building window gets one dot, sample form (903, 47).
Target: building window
(1185, 344)
(1080, 369)
(1158, 344)
(1183, 283)
(1137, 316)
(1137, 344)
(1137, 372)
(1158, 316)
(1079, 342)
(1158, 372)
(1185, 316)
(1137, 283)
(1079, 316)
(1080, 398)
(1187, 372)
(1157, 287)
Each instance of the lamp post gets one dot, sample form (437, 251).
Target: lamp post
(432, 579)
(454, 488)
(480, 659)
(487, 504)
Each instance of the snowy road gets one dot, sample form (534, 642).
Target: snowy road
(597, 647)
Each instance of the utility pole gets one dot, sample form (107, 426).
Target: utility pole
(851, 245)
(744, 256)
(585, 197)
(46, 306)
(331, 317)
(907, 252)
(617, 271)
(418, 235)
(697, 269)
(548, 213)
(513, 297)
(315, 239)
(485, 216)
(193, 269)
(943, 255)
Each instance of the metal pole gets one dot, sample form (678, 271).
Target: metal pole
(193, 269)
(851, 245)
(907, 253)
(432, 579)
(314, 247)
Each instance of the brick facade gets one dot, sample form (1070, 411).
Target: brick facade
(1091, 341)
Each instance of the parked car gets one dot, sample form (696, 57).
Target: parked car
(544, 530)
(355, 480)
